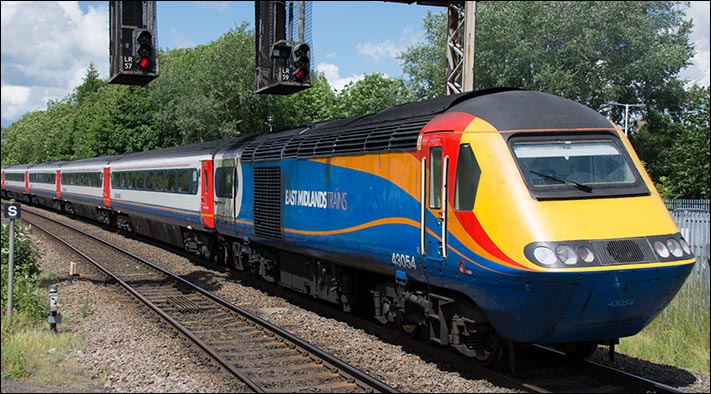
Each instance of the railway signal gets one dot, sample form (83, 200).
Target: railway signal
(132, 40)
(301, 62)
(144, 53)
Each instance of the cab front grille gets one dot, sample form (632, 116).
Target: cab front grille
(624, 251)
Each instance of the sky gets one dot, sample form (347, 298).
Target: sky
(47, 46)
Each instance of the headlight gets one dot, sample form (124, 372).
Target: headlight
(544, 255)
(685, 246)
(585, 254)
(566, 255)
(674, 247)
(661, 249)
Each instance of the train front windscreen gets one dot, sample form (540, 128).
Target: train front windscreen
(578, 166)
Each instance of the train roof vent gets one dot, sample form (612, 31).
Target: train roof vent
(384, 137)
(393, 129)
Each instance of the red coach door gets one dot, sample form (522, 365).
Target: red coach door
(207, 197)
(58, 184)
(107, 187)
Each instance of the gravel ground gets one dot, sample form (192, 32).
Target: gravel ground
(159, 361)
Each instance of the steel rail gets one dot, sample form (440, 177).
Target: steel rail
(360, 378)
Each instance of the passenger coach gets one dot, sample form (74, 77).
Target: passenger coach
(15, 182)
(44, 185)
(167, 194)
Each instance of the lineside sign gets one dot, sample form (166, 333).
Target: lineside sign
(12, 211)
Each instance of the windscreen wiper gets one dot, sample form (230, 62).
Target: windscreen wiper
(580, 186)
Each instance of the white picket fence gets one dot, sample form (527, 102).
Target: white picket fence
(694, 221)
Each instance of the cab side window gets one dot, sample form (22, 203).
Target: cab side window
(467, 179)
(224, 182)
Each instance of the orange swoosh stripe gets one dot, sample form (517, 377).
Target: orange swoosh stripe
(374, 223)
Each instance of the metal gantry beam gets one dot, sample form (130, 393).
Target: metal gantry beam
(461, 22)
(461, 27)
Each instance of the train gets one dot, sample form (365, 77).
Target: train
(477, 220)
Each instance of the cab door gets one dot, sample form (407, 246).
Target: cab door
(207, 201)
(434, 211)
(224, 193)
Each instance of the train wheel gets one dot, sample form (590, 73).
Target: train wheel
(491, 354)
(414, 330)
(239, 257)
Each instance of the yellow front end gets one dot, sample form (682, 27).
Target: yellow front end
(513, 218)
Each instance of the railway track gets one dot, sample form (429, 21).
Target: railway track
(538, 369)
(263, 356)
(547, 370)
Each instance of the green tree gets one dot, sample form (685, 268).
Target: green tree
(676, 149)
(40, 136)
(591, 52)
(207, 92)
(118, 119)
(425, 63)
(91, 84)
(314, 104)
(373, 93)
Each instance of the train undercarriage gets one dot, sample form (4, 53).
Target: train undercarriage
(429, 314)
(444, 319)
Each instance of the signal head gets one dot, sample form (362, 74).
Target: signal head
(301, 62)
(144, 54)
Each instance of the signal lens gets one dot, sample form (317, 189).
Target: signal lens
(144, 62)
(685, 246)
(661, 249)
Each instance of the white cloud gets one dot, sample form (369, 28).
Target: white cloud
(181, 40)
(219, 6)
(46, 50)
(388, 49)
(379, 50)
(700, 69)
(334, 78)
(14, 100)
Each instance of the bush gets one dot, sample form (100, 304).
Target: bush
(28, 296)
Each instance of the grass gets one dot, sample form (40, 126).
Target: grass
(679, 336)
(30, 352)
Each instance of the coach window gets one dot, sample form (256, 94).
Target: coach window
(467, 180)
(223, 182)
(183, 181)
(436, 177)
(170, 181)
(140, 180)
(15, 177)
(148, 180)
(205, 186)
(159, 180)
